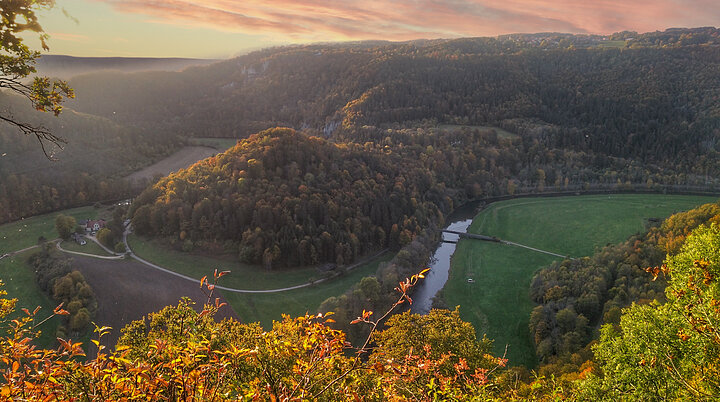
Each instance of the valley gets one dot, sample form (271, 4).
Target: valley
(321, 176)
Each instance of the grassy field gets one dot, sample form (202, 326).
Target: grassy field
(19, 282)
(242, 276)
(25, 233)
(500, 132)
(266, 307)
(497, 301)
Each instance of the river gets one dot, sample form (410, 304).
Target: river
(435, 280)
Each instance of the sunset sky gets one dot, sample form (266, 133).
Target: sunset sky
(225, 28)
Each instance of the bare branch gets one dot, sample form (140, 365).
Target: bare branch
(41, 134)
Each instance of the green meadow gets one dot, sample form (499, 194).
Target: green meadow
(19, 282)
(497, 300)
(262, 307)
(25, 232)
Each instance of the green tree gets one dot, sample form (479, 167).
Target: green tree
(670, 351)
(443, 331)
(65, 225)
(105, 237)
(17, 63)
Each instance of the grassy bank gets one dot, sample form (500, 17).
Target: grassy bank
(497, 301)
(242, 276)
(19, 283)
(266, 307)
(89, 248)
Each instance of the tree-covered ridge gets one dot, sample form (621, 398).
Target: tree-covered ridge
(669, 351)
(91, 167)
(575, 296)
(282, 198)
(648, 102)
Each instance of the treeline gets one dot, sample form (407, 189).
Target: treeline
(576, 296)
(55, 276)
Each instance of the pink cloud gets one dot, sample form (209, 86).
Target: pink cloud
(319, 20)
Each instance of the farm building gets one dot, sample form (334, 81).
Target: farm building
(92, 225)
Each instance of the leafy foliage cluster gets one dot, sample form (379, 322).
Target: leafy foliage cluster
(17, 63)
(377, 292)
(54, 275)
(669, 351)
(180, 354)
(65, 225)
(111, 236)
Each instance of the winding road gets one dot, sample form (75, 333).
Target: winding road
(116, 256)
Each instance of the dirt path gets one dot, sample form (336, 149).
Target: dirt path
(19, 251)
(126, 290)
(102, 257)
(510, 243)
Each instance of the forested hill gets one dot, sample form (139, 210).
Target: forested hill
(282, 198)
(648, 96)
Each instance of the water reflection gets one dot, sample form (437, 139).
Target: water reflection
(460, 220)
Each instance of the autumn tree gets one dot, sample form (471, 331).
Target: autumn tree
(17, 63)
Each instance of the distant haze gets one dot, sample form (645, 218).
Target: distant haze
(67, 66)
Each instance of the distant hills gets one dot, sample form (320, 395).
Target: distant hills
(68, 66)
(637, 106)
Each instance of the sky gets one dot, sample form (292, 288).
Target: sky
(226, 28)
